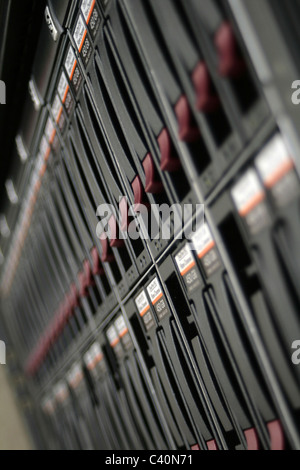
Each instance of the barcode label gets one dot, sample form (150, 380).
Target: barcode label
(248, 193)
(63, 87)
(157, 298)
(274, 162)
(80, 33)
(203, 241)
(61, 392)
(70, 63)
(145, 310)
(75, 376)
(56, 108)
(121, 326)
(87, 7)
(185, 260)
(112, 336)
(94, 356)
(142, 304)
(154, 291)
(50, 130)
(123, 333)
(48, 406)
(45, 148)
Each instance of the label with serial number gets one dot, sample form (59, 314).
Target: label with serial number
(144, 310)
(48, 406)
(61, 392)
(123, 333)
(250, 200)
(114, 341)
(50, 131)
(75, 376)
(188, 269)
(94, 359)
(45, 148)
(157, 298)
(248, 193)
(58, 114)
(277, 171)
(73, 70)
(65, 93)
(91, 15)
(82, 40)
(63, 87)
(206, 250)
(274, 162)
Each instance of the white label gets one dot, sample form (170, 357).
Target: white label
(61, 392)
(112, 336)
(70, 63)
(274, 162)
(50, 130)
(121, 326)
(185, 260)
(154, 291)
(39, 163)
(203, 241)
(248, 193)
(56, 108)
(75, 376)
(62, 86)
(88, 360)
(80, 33)
(44, 146)
(142, 304)
(21, 149)
(48, 406)
(93, 356)
(96, 351)
(87, 8)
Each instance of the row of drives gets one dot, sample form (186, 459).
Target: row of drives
(141, 343)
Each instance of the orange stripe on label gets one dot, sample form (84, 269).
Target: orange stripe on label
(47, 154)
(285, 168)
(252, 204)
(209, 247)
(66, 94)
(188, 268)
(115, 342)
(37, 186)
(157, 298)
(73, 69)
(43, 170)
(123, 333)
(52, 136)
(83, 39)
(98, 359)
(59, 114)
(91, 11)
(145, 311)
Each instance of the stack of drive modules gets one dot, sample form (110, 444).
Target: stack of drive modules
(139, 114)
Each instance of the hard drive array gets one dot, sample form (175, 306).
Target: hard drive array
(150, 281)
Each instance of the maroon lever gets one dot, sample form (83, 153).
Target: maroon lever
(206, 100)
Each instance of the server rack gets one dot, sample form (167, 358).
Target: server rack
(144, 342)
